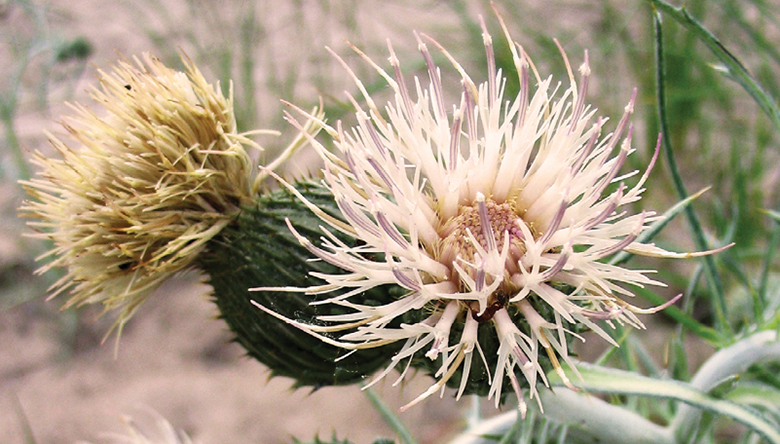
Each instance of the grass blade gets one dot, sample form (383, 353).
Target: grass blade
(709, 334)
(390, 418)
(612, 381)
(711, 273)
(732, 67)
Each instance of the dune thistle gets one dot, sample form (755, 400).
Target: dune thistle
(494, 214)
(146, 186)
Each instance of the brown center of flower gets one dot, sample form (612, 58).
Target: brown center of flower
(460, 233)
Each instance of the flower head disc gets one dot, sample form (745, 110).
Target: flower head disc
(147, 186)
(495, 212)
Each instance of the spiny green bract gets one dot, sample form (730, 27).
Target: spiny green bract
(259, 250)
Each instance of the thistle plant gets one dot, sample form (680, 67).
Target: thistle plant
(471, 236)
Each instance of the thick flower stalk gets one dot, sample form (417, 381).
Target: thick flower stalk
(495, 211)
(148, 183)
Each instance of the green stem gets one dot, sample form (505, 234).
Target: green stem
(390, 418)
(27, 431)
(760, 348)
(709, 334)
(771, 249)
(23, 171)
(733, 360)
(589, 419)
(713, 278)
(486, 431)
(733, 66)
(8, 104)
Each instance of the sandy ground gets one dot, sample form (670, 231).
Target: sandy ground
(175, 359)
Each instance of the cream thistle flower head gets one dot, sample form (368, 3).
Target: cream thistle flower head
(149, 183)
(495, 211)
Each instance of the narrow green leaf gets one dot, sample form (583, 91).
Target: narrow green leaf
(679, 359)
(774, 215)
(768, 260)
(643, 356)
(27, 431)
(509, 436)
(611, 381)
(759, 395)
(707, 333)
(390, 418)
(713, 278)
(767, 377)
(731, 65)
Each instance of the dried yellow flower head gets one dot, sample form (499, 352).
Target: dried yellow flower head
(146, 186)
